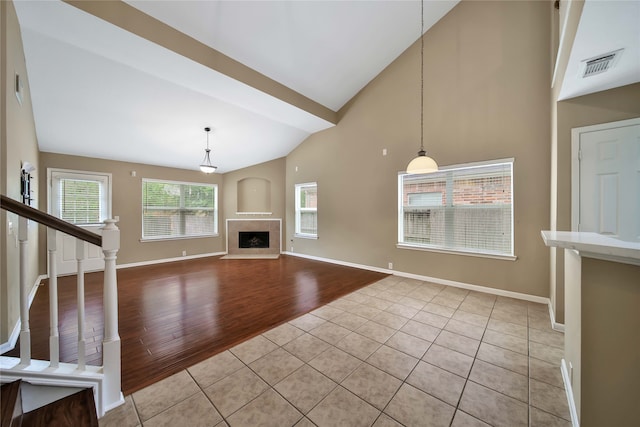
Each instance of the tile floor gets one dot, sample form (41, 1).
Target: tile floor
(397, 352)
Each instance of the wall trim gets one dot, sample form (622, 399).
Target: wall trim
(468, 286)
(164, 260)
(569, 390)
(15, 334)
(554, 325)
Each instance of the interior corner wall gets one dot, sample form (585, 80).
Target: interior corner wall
(127, 204)
(19, 144)
(274, 172)
(487, 78)
(602, 107)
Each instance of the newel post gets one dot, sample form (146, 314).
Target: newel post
(111, 342)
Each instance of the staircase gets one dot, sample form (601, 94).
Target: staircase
(75, 410)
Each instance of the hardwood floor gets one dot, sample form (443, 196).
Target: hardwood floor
(174, 315)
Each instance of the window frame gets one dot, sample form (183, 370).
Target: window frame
(299, 210)
(456, 250)
(216, 230)
(54, 175)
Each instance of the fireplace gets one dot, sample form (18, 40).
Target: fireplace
(253, 239)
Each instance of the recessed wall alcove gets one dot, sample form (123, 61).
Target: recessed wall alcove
(254, 196)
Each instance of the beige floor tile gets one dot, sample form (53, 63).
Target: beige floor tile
(519, 318)
(235, 391)
(476, 308)
(452, 361)
(409, 344)
(423, 294)
(388, 295)
(304, 422)
(549, 398)
(386, 421)
(268, 409)
(393, 362)
(413, 407)
(431, 319)
(454, 293)
(380, 304)
(539, 418)
(276, 365)
(539, 320)
(510, 342)
(439, 309)
(308, 322)
(343, 304)
(154, 399)
(376, 331)
(306, 347)
(548, 337)
(546, 372)
(458, 343)
(546, 352)
(357, 297)
(474, 319)
(405, 286)
(215, 368)
(412, 302)
(502, 380)
(447, 302)
(330, 332)
(195, 411)
(402, 310)
(305, 388)
(465, 329)
(370, 290)
(343, 408)
(481, 298)
(534, 306)
(462, 419)
(253, 349)
(390, 320)
(492, 407)
(507, 328)
(371, 384)
(420, 330)
(358, 345)
(335, 363)
(504, 358)
(437, 382)
(124, 415)
(349, 321)
(283, 334)
(365, 311)
(327, 312)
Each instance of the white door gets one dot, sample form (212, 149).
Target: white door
(67, 262)
(609, 179)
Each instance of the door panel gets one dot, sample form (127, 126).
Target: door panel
(66, 256)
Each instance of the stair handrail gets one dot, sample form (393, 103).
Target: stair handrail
(51, 221)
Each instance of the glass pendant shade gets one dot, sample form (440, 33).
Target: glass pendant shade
(422, 164)
(206, 165)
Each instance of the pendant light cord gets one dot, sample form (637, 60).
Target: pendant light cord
(422, 75)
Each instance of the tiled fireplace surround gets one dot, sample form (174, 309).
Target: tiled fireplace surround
(273, 226)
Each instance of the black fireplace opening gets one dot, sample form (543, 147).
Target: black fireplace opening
(253, 239)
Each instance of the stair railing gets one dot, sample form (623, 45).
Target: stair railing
(106, 379)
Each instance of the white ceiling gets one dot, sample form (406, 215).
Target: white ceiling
(100, 91)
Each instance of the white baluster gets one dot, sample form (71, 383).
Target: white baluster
(25, 332)
(81, 256)
(54, 335)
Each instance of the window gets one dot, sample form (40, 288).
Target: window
(178, 209)
(307, 210)
(81, 198)
(467, 208)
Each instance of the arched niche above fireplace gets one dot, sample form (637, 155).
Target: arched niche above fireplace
(254, 196)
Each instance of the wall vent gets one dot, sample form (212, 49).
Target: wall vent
(601, 63)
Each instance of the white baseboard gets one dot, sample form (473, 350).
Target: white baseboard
(15, 333)
(468, 286)
(569, 390)
(165, 260)
(555, 325)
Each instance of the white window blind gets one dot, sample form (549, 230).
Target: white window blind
(178, 209)
(466, 208)
(81, 198)
(307, 209)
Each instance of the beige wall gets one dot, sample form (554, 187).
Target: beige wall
(127, 204)
(17, 132)
(608, 106)
(487, 79)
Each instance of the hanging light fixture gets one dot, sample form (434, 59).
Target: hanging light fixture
(206, 165)
(422, 163)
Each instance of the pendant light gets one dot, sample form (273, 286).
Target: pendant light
(422, 163)
(206, 165)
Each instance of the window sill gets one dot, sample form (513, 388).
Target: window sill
(164, 239)
(306, 236)
(455, 252)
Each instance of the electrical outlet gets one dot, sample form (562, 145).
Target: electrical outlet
(390, 266)
(184, 253)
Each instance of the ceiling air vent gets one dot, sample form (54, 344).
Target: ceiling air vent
(601, 63)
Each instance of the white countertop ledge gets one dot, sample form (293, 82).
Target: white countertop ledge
(594, 245)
